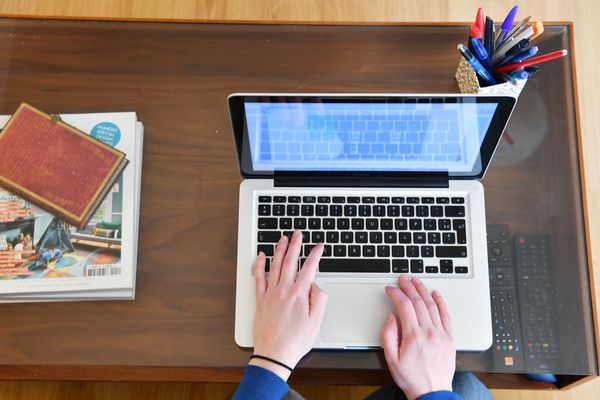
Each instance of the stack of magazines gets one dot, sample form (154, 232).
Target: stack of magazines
(44, 258)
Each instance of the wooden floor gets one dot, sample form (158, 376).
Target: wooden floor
(583, 13)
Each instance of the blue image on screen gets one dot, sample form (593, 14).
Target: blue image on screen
(367, 136)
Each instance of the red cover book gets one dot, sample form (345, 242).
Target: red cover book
(55, 166)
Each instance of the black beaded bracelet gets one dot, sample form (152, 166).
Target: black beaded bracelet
(273, 361)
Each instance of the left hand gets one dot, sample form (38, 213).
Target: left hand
(289, 309)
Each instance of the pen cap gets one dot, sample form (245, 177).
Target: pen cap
(466, 78)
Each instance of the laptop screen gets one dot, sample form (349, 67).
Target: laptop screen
(385, 134)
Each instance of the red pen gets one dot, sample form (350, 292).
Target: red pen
(475, 32)
(531, 61)
(479, 19)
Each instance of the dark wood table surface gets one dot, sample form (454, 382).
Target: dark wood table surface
(176, 77)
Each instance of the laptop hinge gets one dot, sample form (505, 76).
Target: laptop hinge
(352, 179)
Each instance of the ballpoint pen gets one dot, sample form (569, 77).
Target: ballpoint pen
(519, 74)
(538, 29)
(510, 42)
(517, 27)
(531, 61)
(517, 48)
(479, 69)
(506, 26)
(481, 53)
(488, 36)
(524, 55)
(532, 70)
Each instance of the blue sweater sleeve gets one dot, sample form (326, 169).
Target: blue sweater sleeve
(260, 383)
(440, 395)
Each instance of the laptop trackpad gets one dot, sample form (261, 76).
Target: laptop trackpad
(355, 313)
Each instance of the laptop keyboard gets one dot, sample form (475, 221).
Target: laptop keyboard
(370, 234)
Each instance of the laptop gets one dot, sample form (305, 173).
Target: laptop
(390, 184)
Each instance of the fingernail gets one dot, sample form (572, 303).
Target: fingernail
(297, 233)
(389, 318)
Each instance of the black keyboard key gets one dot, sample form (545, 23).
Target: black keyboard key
(444, 224)
(450, 251)
(408, 211)
(309, 199)
(307, 210)
(412, 200)
(458, 200)
(354, 265)
(375, 237)
(308, 248)
(364, 211)
(268, 236)
(404, 237)
(332, 237)
(335, 211)
(442, 200)
(379, 211)
(427, 200)
(327, 250)
(429, 224)
(354, 251)
(397, 251)
(372, 224)
(305, 236)
(353, 199)
(328, 223)
(279, 210)
(383, 200)
(401, 224)
(293, 210)
(419, 237)
(318, 237)
(339, 251)
(415, 224)
(386, 224)
(347, 237)
(350, 211)
(383, 251)
(324, 199)
(279, 199)
(314, 223)
(264, 199)
(446, 266)
(460, 226)
(339, 199)
(461, 270)
(426, 251)
(448, 238)
(268, 249)
(343, 223)
(431, 270)
(358, 224)
(433, 238)
(264, 209)
(368, 251)
(437, 211)
(368, 200)
(322, 210)
(361, 237)
(267, 264)
(412, 251)
(416, 266)
(299, 223)
(393, 211)
(267, 223)
(302, 261)
(455, 211)
(400, 266)
(422, 211)
(390, 237)
(285, 223)
(293, 199)
(398, 200)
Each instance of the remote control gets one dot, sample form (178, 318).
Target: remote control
(507, 349)
(537, 303)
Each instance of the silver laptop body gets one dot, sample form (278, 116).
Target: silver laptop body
(390, 184)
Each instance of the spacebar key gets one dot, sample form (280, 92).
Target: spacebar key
(353, 265)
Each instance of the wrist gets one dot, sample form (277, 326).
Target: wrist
(278, 370)
(415, 393)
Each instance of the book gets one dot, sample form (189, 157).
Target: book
(56, 166)
(44, 258)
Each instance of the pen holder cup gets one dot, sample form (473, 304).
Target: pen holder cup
(468, 83)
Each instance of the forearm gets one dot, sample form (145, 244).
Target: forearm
(260, 383)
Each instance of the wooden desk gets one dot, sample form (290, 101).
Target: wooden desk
(176, 77)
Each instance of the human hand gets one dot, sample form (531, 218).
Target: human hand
(289, 309)
(419, 351)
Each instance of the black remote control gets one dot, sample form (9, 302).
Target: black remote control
(537, 303)
(507, 349)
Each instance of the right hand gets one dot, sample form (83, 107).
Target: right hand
(419, 350)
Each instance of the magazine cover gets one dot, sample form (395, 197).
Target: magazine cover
(40, 253)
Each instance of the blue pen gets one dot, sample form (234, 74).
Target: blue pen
(519, 74)
(479, 69)
(506, 25)
(481, 52)
(525, 54)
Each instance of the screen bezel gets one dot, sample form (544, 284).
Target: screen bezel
(236, 103)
